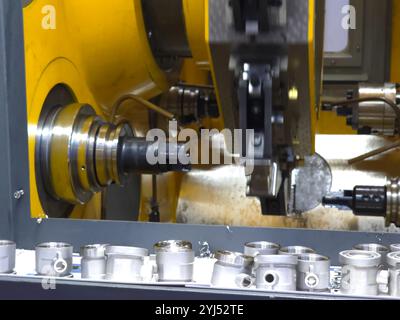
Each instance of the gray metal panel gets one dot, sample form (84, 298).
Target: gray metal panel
(13, 127)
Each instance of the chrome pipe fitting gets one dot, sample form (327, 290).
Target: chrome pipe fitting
(393, 261)
(313, 272)
(395, 247)
(296, 250)
(276, 272)
(124, 263)
(54, 259)
(232, 269)
(260, 247)
(359, 272)
(7, 256)
(374, 247)
(93, 262)
(174, 260)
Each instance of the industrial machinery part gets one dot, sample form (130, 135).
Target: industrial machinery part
(174, 260)
(255, 48)
(124, 263)
(260, 247)
(7, 256)
(310, 182)
(359, 272)
(93, 262)
(395, 247)
(191, 104)
(79, 154)
(229, 269)
(393, 261)
(374, 247)
(313, 272)
(54, 259)
(276, 272)
(370, 201)
(295, 250)
(244, 281)
(373, 116)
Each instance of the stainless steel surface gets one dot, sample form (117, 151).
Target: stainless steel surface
(276, 272)
(393, 202)
(260, 247)
(310, 183)
(359, 272)
(174, 260)
(393, 261)
(7, 256)
(376, 115)
(77, 152)
(93, 262)
(295, 250)
(233, 258)
(229, 268)
(54, 259)
(374, 247)
(313, 272)
(395, 247)
(124, 263)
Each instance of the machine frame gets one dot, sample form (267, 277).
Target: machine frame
(16, 223)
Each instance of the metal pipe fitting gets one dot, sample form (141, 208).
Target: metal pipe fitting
(260, 247)
(296, 250)
(395, 247)
(54, 259)
(229, 269)
(374, 247)
(359, 272)
(93, 262)
(393, 261)
(276, 272)
(124, 263)
(174, 260)
(7, 256)
(313, 272)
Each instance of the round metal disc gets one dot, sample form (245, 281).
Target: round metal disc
(310, 183)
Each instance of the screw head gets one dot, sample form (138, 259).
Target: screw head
(18, 194)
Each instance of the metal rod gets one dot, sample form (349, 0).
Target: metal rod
(374, 153)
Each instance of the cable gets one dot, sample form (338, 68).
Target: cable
(143, 102)
(369, 99)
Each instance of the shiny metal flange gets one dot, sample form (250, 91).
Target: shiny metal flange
(393, 202)
(233, 258)
(78, 152)
(173, 246)
(260, 247)
(295, 250)
(374, 247)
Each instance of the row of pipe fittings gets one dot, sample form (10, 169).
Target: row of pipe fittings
(174, 262)
(367, 269)
(271, 267)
